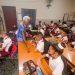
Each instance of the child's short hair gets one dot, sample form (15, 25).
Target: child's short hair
(58, 47)
(40, 34)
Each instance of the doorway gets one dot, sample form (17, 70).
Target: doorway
(31, 13)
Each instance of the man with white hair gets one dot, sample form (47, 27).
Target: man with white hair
(22, 28)
(27, 22)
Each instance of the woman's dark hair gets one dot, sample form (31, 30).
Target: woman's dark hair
(57, 49)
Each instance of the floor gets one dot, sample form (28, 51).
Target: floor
(9, 66)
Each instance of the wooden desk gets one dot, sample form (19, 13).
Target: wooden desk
(24, 55)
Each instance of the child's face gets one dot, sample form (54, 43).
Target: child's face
(51, 51)
(38, 38)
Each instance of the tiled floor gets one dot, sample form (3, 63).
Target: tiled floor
(9, 67)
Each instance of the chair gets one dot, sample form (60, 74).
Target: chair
(67, 70)
(46, 46)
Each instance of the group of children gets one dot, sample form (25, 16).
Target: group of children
(54, 50)
(48, 49)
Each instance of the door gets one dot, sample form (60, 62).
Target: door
(31, 13)
(9, 17)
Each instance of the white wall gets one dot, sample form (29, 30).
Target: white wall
(56, 11)
(74, 6)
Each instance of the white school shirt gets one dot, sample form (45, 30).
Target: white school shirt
(57, 65)
(65, 38)
(65, 25)
(73, 29)
(57, 30)
(30, 26)
(7, 42)
(73, 43)
(42, 31)
(40, 46)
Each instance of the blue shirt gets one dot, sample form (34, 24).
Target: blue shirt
(21, 29)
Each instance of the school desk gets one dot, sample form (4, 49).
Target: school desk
(27, 51)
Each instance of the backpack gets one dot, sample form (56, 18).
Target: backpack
(30, 68)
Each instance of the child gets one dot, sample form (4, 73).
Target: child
(55, 60)
(65, 38)
(56, 31)
(40, 43)
(7, 43)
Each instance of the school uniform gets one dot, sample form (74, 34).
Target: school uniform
(65, 39)
(73, 29)
(65, 25)
(73, 43)
(42, 31)
(7, 42)
(40, 46)
(57, 32)
(30, 27)
(57, 65)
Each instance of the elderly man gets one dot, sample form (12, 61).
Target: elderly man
(21, 33)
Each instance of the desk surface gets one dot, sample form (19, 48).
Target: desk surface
(24, 55)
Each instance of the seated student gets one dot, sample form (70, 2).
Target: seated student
(40, 23)
(65, 27)
(73, 29)
(7, 42)
(65, 38)
(42, 31)
(55, 60)
(40, 43)
(56, 31)
(73, 44)
(64, 24)
(51, 23)
(44, 26)
(47, 31)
